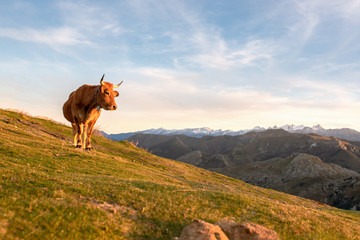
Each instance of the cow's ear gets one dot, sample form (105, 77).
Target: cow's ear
(116, 93)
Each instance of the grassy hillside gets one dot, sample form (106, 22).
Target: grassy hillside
(49, 190)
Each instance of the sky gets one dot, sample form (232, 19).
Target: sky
(231, 64)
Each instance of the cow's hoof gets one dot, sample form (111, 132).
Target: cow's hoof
(88, 148)
(78, 146)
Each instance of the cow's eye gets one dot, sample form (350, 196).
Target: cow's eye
(106, 92)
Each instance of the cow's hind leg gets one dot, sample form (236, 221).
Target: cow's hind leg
(76, 137)
(78, 131)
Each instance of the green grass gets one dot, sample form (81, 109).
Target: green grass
(50, 190)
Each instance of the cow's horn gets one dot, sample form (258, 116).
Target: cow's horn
(102, 80)
(115, 86)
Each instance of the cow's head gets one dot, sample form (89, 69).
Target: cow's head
(106, 95)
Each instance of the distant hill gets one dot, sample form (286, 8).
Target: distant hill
(229, 151)
(225, 154)
(303, 175)
(50, 190)
(342, 133)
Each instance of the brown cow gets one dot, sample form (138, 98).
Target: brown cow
(83, 109)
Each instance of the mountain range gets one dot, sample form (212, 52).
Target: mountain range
(273, 148)
(342, 133)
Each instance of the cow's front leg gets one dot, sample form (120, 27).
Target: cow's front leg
(88, 131)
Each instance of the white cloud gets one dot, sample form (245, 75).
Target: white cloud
(53, 36)
(303, 30)
(176, 91)
(196, 41)
(322, 95)
(209, 49)
(81, 25)
(350, 10)
(94, 20)
(224, 58)
(319, 14)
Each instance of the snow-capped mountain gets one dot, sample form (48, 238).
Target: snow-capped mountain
(192, 132)
(301, 128)
(343, 133)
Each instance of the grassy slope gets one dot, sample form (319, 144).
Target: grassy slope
(49, 190)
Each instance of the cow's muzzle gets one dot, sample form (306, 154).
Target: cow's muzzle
(110, 107)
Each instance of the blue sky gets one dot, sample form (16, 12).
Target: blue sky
(186, 64)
